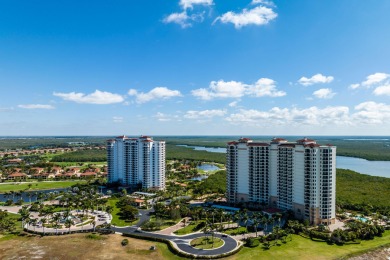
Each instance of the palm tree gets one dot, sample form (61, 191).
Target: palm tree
(56, 219)
(278, 216)
(221, 215)
(236, 217)
(68, 223)
(245, 219)
(264, 221)
(94, 225)
(24, 213)
(34, 221)
(256, 222)
(43, 221)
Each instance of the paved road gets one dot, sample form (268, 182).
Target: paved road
(183, 242)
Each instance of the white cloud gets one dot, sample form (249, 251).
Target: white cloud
(372, 113)
(36, 106)
(293, 116)
(372, 80)
(184, 19)
(221, 89)
(236, 89)
(375, 78)
(192, 114)
(263, 2)
(156, 93)
(364, 113)
(324, 93)
(117, 119)
(318, 78)
(190, 3)
(166, 117)
(265, 87)
(233, 104)
(354, 86)
(383, 90)
(97, 97)
(259, 15)
(179, 18)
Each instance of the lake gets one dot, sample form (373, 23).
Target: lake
(373, 168)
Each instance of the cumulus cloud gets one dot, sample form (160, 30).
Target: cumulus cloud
(192, 114)
(156, 93)
(263, 2)
(324, 93)
(235, 89)
(362, 114)
(233, 104)
(185, 4)
(375, 78)
(259, 15)
(293, 116)
(185, 18)
(372, 113)
(383, 90)
(316, 79)
(166, 117)
(98, 97)
(354, 86)
(36, 106)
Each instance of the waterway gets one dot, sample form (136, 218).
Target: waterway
(373, 168)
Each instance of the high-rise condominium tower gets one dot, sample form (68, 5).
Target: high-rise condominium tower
(298, 176)
(137, 162)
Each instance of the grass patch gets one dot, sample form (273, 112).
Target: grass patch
(38, 185)
(116, 221)
(17, 230)
(302, 248)
(235, 231)
(191, 228)
(207, 243)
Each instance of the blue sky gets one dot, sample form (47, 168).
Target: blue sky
(195, 67)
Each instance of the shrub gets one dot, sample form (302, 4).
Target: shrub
(125, 242)
(252, 242)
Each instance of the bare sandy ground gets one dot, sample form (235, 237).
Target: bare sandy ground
(76, 246)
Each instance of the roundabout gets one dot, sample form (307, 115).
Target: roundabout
(182, 244)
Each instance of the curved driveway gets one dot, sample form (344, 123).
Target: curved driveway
(183, 242)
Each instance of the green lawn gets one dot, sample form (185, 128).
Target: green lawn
(188, 229)
(303, 248)
(37, 185)
(207, 243)
(166, 223)
(18, 228)
(235, 231)
(80, 164)
(116, 221)
(166, 252)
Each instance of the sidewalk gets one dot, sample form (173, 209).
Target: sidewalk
(171, 229)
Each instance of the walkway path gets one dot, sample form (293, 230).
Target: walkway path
(170, 230)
